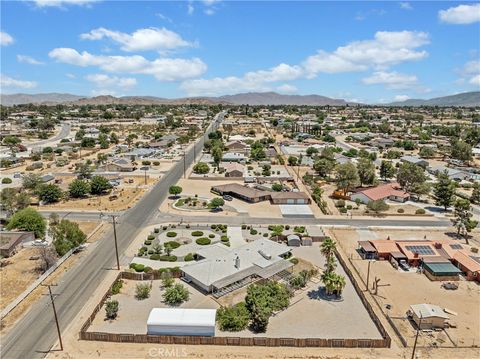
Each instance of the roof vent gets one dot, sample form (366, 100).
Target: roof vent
(237, 262)
(264, 255)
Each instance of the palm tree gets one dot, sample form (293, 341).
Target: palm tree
(330, 264)
(338, 283)
(328, 247)
(328, 279)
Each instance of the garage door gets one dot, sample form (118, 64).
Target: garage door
(301, 201)
(290, 201)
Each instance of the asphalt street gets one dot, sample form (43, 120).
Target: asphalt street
(35, 334)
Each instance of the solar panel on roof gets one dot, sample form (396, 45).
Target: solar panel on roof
(456, 246)
(425, 250)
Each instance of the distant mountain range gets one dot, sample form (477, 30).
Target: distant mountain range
(251, 98)
(467, 99)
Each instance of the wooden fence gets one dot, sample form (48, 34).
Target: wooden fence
(233, 341)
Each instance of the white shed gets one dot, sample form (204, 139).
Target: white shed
(179, 321)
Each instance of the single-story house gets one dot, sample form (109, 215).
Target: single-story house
(237, 146)
(391, 191)
(384, 247)
(253, 195)
(381, 142)
(233, 157)
(139, 153)
(415, 160)
(234, 169)
(9, 242)
(452, 173)
(367, 251)
(225, 266)
(428, 316)
(181, 321)
(468, 264)
(119, 165)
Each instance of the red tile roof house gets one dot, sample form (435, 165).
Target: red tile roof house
(391, 191)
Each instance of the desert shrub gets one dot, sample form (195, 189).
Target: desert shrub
(156, 163)
(197, 233)
(150, 251)
(265, 235)
(224, 238)
(164, 228)
(233, 319)
(244, 226)
(111, 308)
(343, 210)
(287, 227)
(203, 241)
(349, 206)
(150, 237)
(474, 249)
(6, 180)
(155, 257)
(299, 229)
(147, 269)
(420, 211)
(294, 260)
(189, 257)
(171, 234)
(176, 295)
(253, 232)
(173, 244)
(117, 285)
(147, 243)
(400, 210)
(142, 291)
(340, 203)
(211, 236)
(156, 230)
(168, 258)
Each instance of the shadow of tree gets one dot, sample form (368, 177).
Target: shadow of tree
(321, 294)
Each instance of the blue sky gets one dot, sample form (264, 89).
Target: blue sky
(365, 51)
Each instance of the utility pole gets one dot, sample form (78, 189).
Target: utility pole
(368, 274)
(184, 164)
(115, 237)
(54, 312)
(416, 336)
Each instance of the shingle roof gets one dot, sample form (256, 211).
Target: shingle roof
(384, 191)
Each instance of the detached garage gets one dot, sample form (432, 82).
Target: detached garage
(178, 321)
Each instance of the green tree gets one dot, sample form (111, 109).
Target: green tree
(49, 193)
(130, 138)
(175, 190)
(461, 150)
(346, 177)
(475, 197)
(78, 188)
(387, 170)
(99, 185)
(87, 142)
(83, 170)
(378, 206)
(292, 160)
(324, 166)
(103, 141)
(277, 187)
(412, 178)
(66, 236)
(311, 151)
(216, 202)
(142, 291)
(28, 220)
(366, 171)
(176, 295)
(444, 190)
(328, 248)
(11, 142)
(31, 181)
(201, 168)
(217, 155)
(462, 220)
(426, 152)
(233, 319)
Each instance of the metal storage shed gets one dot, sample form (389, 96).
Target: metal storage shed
(179, 321)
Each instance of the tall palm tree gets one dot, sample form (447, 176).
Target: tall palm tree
(328, 247)
(328, 279)
(338, 283)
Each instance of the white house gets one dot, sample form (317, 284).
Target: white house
(181, 321)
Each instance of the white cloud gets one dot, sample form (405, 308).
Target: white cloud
(385, 50)
(210, 6)
(71, 76)
(105, 81)
(164, 17)
(29, 60)
(163, 69)
(406, 6)
(141, 39)
(103, 92)
(190, 8)
(287, 89)
(462, 14)
(5, 39)
(6, 81)
(475, 80)
(61, 3)
(400, 98)
(393, 80)
(251, 81)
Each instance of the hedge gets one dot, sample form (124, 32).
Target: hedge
(155, 257)
(224, 239)
(197, 233)
(188, 257)
(203, 241)
(137, 267)
(172, 244)
(150, 237)
(168, 258)
(171, 234)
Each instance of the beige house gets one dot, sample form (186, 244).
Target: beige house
(428, 316)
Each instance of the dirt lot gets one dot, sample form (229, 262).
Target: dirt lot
(405, 288)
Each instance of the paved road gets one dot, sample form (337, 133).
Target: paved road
(34, 335)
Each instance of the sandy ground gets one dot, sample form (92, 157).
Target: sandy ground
(17, 277)
(405, 288)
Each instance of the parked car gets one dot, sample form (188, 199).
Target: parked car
(226, 197)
